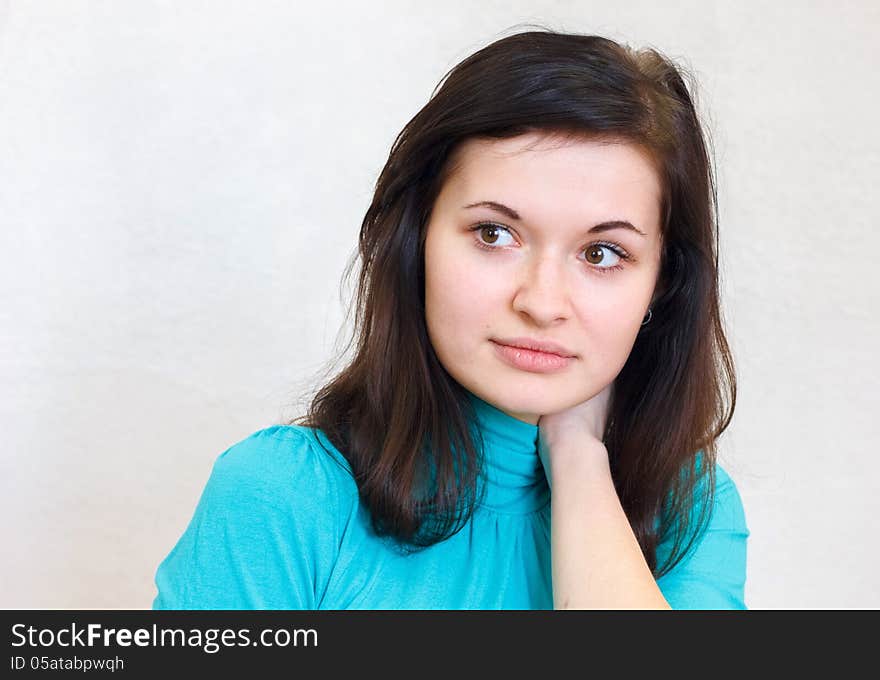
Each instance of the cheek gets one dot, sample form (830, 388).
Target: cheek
(460, 299)
(446, 308)
(611, 323)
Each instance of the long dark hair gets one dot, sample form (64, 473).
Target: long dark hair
(401, 420)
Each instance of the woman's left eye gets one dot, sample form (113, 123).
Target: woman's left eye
(596, 255)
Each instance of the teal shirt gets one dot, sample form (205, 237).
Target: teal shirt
(280, 526)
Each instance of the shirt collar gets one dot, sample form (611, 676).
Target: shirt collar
(513, 474)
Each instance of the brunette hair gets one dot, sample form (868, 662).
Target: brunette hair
(401, 420)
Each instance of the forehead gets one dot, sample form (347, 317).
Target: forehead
(554, 167)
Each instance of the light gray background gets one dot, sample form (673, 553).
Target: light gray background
(181, 185)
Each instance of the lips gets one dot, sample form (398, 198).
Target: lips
(545, 346)
(532, 361)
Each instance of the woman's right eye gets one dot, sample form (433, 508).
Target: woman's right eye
(489, 234)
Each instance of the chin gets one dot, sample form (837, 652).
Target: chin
(530, 409)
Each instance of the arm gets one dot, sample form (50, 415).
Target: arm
(596, 559)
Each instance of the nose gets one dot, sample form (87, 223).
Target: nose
(542, 293)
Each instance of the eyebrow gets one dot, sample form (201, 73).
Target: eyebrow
(514, 215)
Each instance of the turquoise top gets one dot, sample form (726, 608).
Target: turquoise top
(280, 526)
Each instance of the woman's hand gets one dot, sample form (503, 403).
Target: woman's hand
(597, 562)
(575, 435)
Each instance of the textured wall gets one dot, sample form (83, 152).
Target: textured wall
(181, 185)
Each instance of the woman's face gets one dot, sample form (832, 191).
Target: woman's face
(519, 249)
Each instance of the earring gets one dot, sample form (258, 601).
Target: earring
(648, 317)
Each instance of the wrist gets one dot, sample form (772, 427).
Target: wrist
(579, 460)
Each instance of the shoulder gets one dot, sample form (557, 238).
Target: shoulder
(285, 481)
(282, 464)
(718, 496)
(267, 528)
(723, 503)
(727, 506)
(712, 574)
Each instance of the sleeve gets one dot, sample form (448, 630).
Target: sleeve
(712, 574)
(265, 532)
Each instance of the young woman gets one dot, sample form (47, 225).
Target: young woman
(540, 377)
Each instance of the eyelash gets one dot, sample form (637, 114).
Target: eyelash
(614, 247)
